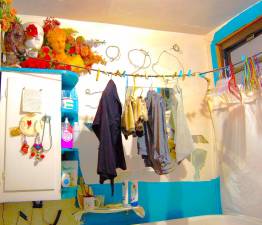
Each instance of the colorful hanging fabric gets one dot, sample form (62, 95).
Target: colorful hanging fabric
(247, 86)
(258, 70)
(251, 78)
(232, 85)
(254, 74)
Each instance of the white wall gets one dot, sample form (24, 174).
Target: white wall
(194, 56)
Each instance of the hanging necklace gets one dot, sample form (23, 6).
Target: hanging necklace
(38, 150)
(47, 120)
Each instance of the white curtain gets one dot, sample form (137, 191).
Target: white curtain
(238, 132)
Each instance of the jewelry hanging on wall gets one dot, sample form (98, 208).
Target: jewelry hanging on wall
(175, 48)
(25, 146)
(47, 121)
(30, 124)
(144, 65)
(37, 149)
(115, 56)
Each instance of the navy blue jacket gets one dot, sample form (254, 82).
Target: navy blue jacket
(107, 127)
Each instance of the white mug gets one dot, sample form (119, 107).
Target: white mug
(89, 202)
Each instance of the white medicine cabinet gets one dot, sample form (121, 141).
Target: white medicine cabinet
(30, 103)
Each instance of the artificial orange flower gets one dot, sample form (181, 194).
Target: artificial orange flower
(5, 25)
(80, 39)
(70, 40)
(13, 12)
(84, 51)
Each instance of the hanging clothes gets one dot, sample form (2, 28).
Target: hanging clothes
(238, 130)
(134, 115)
(107, 127)
(153, 145)
(182, 137)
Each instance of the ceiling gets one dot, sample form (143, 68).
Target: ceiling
(189, 16)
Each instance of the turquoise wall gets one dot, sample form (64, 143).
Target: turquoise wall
(244, 18)
(162, 201)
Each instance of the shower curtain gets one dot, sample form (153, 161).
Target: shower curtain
(238, 133)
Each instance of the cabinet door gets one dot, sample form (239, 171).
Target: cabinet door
(22, 174)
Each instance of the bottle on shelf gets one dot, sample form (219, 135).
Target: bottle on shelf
(76, 129)
(67, 134)
(125, 193)
(134, 194)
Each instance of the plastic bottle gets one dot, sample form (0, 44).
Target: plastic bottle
(125, 193)
(67, 135)
(134, 193)
(76, 129)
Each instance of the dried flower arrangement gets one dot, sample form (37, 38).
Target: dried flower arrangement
(75, 50)
(7, 15)
(75, 53)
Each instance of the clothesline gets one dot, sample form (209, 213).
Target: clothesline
(239, 66)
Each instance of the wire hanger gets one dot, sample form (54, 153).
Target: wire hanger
(115, 57)
(88, 92)
(143, 65)
(138, 67)
(175, 48)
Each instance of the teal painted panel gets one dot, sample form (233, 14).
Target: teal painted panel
(162, 201)
(71, 114)
(63, 150)
(244, 18)
(68, 192)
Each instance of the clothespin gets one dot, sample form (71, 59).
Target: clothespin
(201, 75)
(243, 58)
(117, 73)
(146, 75)
(175, 74)
(134, 85)
(124, 74)
(180, 73)
(184, 76)
(189, 72)
(126, 82)
(98, 74)
(164, 76)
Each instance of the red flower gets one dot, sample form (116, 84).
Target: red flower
(72, 50)
(62, 67)
(50, 23)
(35, 63)
(47, 57)
(31, 30)
(45, 49)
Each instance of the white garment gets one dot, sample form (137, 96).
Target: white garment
(238, 130)
(183, 138)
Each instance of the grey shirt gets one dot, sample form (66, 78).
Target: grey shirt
(153, 146)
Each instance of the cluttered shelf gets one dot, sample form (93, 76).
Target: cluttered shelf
(111, 210)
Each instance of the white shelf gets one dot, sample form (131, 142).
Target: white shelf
(110, 210)
(137, 209)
